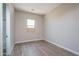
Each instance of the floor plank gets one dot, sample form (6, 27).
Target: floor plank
(39, 48)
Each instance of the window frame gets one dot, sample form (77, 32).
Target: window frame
(30, 24)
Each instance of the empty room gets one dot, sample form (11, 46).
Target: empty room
(41, 29)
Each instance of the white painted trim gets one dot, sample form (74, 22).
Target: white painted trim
(74, 52)
(10, 51)
(28, 41)
(1, 30)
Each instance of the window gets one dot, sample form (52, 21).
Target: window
(30, 23)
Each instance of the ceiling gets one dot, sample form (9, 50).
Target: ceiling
(37, 8)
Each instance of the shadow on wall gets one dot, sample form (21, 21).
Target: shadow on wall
(62, 9)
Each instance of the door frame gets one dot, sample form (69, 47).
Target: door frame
(1, 29)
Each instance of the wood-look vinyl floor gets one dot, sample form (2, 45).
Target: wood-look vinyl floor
(39, 48)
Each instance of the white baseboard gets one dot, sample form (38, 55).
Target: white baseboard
(74, 52)
(28, 41)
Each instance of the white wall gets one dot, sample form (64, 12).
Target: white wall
(9, 28)
(22, 33)
(62, 26)
(1, 29)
